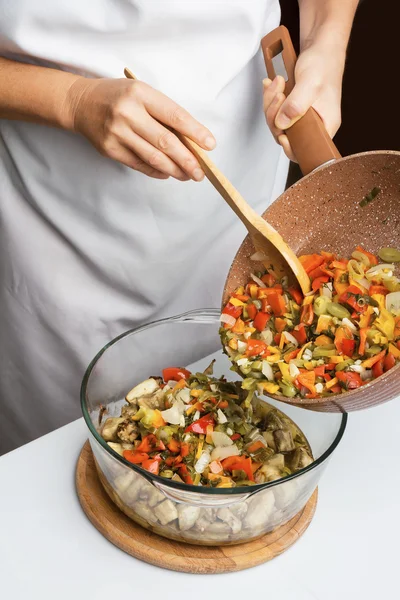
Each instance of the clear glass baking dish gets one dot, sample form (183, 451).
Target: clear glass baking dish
(194, 514)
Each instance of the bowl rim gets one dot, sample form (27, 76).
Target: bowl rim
(207, 315)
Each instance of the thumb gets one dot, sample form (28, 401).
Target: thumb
(296, 104)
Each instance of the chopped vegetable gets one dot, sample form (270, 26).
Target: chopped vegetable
(370, 196)
(350, 316)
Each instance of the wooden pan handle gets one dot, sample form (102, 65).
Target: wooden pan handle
(311, 143)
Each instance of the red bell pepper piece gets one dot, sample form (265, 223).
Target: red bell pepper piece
(363, 340)
(150, 444)
(378, 289)
(319, 281)
(268, 279)
(350, 297)
(277, 338)
(389, 361)
(174, 446)
(233, 311)
(319, 371)
(257, 348)
(348, 347)
(184, 473)
(371, 257)
(135, 457)
(299, 332)
(311, 261)
(185, 449)
(349, 379)
(175, 374)
(377, 368)
(330, 366)
(261, 321)
(152, 465)
(315, 273)
(251, 311)
(290, 355)
(200, 426)
(307, 314)
(296, 295)
(239, 463)
(235, 436)
(277, 304)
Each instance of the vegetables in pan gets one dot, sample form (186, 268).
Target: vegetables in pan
(200, 430)
(340, 336)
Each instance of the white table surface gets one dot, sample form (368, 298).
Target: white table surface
(49, 549)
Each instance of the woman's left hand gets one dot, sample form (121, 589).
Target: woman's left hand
(318, 76)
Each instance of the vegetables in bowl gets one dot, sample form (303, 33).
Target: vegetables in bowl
(339, 337)
(200, 430)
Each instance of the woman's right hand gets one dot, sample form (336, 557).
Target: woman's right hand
(125, 120)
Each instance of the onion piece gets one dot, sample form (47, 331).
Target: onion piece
(184, 395)
(267, 336)
(203, 462)
(290, 338)
(326, 290)
(223, 452)
(258, 281)
(267, 370)
(220, 438)
(221, 417)
(242, 361)
(173, 415)
(196, 415)
(365, 283)
(242, 346)
(227, 319)
(319, 388)
(380, 267)
(366, 374)
(349, 324)
(258, 256)
(393, 302)
(294, 371)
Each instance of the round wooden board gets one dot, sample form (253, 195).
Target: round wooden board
(178, 556)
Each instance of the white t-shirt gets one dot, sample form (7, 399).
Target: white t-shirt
(90, 248)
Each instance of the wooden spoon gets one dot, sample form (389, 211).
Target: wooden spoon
(265, 238)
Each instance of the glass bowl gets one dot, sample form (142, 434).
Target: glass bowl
(187, 513)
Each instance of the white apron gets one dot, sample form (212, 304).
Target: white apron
(90, 248)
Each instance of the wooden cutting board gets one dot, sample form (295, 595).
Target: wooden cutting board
(177, 556)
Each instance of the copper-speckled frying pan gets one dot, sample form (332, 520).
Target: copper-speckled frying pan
(322, 212)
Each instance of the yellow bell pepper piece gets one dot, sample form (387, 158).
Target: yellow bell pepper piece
(284, 369)
(380, 299)
(196, 393)
(380, 339)
(240, 291)
(395, 351)
(324, 323)
(233, 344)
(274, 350)
(365, 318)
(238, 326)
(249, 329)
(300, 354)
(274, 358)
(253, 289)
(158, 420)
(309, 365)
(385, 323)
(282, 341)
(200, 446)
(236, 302)
(336, 359)
(180, 385)
(209, 430)
(308, 300)
(331, 383)
(269, 387)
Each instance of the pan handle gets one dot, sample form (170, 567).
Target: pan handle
(311, 143)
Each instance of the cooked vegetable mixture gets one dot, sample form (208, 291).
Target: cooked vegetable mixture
(341, 335)
(200, 430)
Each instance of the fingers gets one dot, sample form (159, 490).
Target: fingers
(284, 142)
(274, 98)
(169, 112)
(164, 142)
(128, 158)
(297, 103)
(271, 113)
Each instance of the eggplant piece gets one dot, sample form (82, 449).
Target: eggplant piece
(299, 459)
(259, 511)
(127, 431)
(166, 512)
(109, 429)
(116, 447)
(269, 438)
(122, 482)
(267, 473)
(201, 524)
(278, 461)
(156, 400)
(129, 410)
(272, 421)
(226, 516)
(187, 516)
(155, 497)
(145, 388)
(239, 509)
(144, 511)
(284, 440)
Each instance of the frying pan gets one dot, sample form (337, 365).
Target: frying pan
(322, 211)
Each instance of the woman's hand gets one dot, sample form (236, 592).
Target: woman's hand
(318, 76)
(125, 121)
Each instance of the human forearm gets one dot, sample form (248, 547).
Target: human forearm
(326, 22)
(36, 94)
